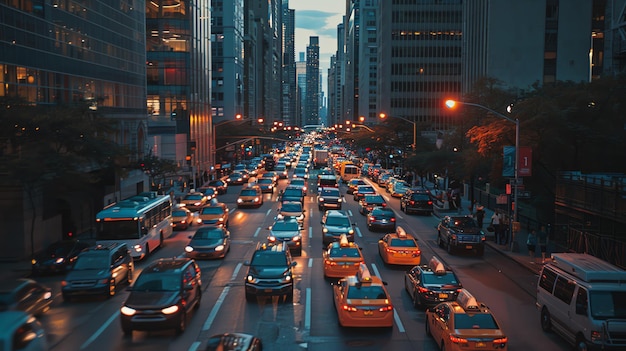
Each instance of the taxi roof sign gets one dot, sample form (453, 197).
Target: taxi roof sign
(343, 240)
(400, 232)
(363, 275)
(436, 266)
(467, 301)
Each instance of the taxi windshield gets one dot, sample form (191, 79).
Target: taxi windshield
(344, 252)
(366, 292)
(212, 210)
(397, 242)
(474, 321)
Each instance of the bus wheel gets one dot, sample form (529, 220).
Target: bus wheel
(161, 239)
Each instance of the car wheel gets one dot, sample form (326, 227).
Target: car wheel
(67, 298)
(129, 276)
(439, 241)
(250, 297)
(197, 306)
(581, 345)
(182, 324)
(111, 288)
(427, 327)
(450, 248)
(127, 331)
(546, 322)
(289, 296)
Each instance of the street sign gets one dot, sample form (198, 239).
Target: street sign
(523, 194)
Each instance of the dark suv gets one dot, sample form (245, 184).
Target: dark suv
(329, 197)
(461, 233)
(164, 294)
(417, 201)
(98, 271)
(270, 272)
(334, 224)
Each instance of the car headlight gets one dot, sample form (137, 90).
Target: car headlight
(287, 279)
(59, 260)
(257, 199)
(127, 311)
(219, 248)
(325, 230)
(279, 216)
(339, 200)
(300, 217)
(251, 279)
(188, 248)
(271, 238)
(321, 199)
(351, 231)
(239, 201)
(296, 238)
(170, 310)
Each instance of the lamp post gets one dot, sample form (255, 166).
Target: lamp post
(383, 116)
(451, 103)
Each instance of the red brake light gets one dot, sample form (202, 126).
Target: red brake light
(501, 340)
(386, 308)
(412, 202)
(393, 219)
(372, 218)
(384, 204)
(422, 289)
(430, 202)
(349, 308)
(457, 340)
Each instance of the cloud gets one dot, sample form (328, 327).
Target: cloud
(311, 19)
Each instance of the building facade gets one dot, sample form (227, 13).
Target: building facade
(288, 89)
(311, 103)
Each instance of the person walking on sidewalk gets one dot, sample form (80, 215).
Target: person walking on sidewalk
(531, 243)
(542, 239)
(480, 215)
(495, 222)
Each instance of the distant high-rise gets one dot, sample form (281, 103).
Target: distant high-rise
(288, 90)
(300, 89)
(311, 105)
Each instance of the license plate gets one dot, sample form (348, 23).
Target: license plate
(368, 313)
(468, 246)
(480, 344)
(443, 296)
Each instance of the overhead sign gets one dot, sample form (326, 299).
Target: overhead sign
(524, 164)
(508, 164)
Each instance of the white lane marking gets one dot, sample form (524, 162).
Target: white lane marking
(310, 262)
(398, 321)
(194, 346)
(216, 308)
(358, 232)
(268, 212)
(386, 198)
(257, 231)
(398, 215)
(100, 330)
(307, 310)
(375, 269)
(236, 271)
(310, 232)
(350, 213)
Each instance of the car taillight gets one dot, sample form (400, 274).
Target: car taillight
(349, 308)
(386, 308)
(422, 289)
(412, 202)
(430, 202)
(455, 339)
(330, 263)
(393, 219)
(372, 218)
(501, 340)
(384, 204)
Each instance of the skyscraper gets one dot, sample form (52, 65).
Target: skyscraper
(311, 107)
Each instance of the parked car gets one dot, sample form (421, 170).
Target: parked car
(163, 296)
(26, 295)
(58, 257)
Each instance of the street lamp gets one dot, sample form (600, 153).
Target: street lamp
(451, 103)
(383, 116)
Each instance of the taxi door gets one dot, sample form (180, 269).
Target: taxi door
(339, 289)
(383, 243)
(439, 327)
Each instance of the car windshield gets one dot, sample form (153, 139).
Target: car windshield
(208, 233)
(248, 192)
(382, 212)
(262, 258)
(366, 291)
(212, 210)
(292, 207)
(298, 182)
(374, 199)
(398, 242)
(92, 260)
(193, 197)
(285, 226)
(216, 183)
(366, 189)
(330, 192)
(474, 321)
(179, 213)
(608, 304)
(344, 252)
(292, 192)
(440, 279)
(264, 181)
(419, 197)
(157, 282)
(338, 221)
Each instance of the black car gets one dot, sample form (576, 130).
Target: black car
(234, 342)
(461, 233)
(220, 185)
(417, 201)
(329, 198)
(99, 270)
(58, 257)
(431, 284)
(26, 295)
(292, 193)
(381, 218)
(270, 272)
(334, 224)
(163, 296)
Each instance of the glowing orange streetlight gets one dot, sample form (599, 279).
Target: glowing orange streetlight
(383, 116)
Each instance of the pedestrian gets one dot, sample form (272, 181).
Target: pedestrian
(531, 243)
(480, 215)
(542, 239)
(495, 223)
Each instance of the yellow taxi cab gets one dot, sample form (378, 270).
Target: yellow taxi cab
(342, 259)
(399, 248)
(362, 300)
(215, 214)
(464, 324)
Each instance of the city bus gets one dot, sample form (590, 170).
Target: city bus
(142, 222)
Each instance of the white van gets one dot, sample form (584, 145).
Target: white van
(348, 171)
(583, 298)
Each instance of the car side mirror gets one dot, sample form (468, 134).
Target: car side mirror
(190, 236)
(188, 287)
(303, 211)
(246, 263)
(294, 263)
